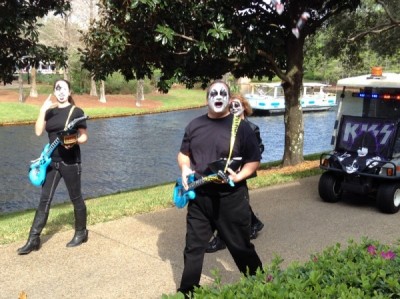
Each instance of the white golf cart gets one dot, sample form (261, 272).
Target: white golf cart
(366, 141)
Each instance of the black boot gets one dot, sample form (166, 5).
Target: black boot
(33, 242)
(81, 233)
(255, 228)
(215, 244)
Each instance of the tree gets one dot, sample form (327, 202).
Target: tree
(198, 41)
(19, 37)
(360, 39)
(139, 92)
(93, 89)
(33, 92)
(386, 21)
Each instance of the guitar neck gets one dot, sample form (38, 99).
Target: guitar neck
(53, 146)
(75, 121)
(202, 181)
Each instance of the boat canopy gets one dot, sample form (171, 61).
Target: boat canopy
(314, 84)
(305, 84)
(387, 80)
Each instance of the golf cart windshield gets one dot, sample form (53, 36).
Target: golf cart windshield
(366, 136)
(369, 114)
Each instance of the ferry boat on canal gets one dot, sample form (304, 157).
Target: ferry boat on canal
(268, 98)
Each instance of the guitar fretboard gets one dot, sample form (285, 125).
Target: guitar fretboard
(202, 181)
(52, 146)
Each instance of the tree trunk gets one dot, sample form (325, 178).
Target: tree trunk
(67, 42)
(139, 93)
(33, 93)
(93, 89)
(294, 123)
(102, 92)
(294, 128)
(21, 97)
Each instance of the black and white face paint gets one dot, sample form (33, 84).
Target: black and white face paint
(218, 97)
(61, 91)
(236, 107)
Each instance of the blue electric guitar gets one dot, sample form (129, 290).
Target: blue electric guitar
(38, 167)
(182, 196)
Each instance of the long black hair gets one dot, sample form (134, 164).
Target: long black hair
(70, 99)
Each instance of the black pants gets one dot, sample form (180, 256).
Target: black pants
(71, 173)
(254, 219)
(231, 216)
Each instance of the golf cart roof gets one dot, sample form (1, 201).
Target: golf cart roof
(389, 80)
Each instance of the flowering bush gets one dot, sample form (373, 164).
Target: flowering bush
(365, 270)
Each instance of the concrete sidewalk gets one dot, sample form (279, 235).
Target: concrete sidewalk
(141, 256)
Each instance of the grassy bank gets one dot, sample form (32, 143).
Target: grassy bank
(15, 226)
(176, 99)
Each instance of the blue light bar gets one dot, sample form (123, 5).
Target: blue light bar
(381, 96)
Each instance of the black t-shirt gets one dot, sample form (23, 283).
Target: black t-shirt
(56, 119)
(207, 139)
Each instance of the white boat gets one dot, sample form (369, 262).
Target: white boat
(269, 98)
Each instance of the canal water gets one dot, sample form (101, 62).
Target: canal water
(132, 152)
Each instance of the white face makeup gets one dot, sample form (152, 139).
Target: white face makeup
(61, 91)
(218, 98)
(236, 107)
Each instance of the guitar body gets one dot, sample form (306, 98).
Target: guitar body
(181, 196)
(37, 170)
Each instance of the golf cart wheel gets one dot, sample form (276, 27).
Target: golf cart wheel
(388, 198)
(330, 187)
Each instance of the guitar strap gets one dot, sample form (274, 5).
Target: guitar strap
(235, 126)
(69, 116)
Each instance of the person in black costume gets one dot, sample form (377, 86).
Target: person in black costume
(218, 205)
(239, 106)
(66, 164)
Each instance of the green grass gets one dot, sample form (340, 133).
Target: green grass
(17, 113)
(181, 98)
(276, 178)
(15, 226)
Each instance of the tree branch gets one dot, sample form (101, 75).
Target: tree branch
(387, 11)
(379, 28)
(274, 66)
(186, 37)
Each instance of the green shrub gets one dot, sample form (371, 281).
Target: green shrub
(116, 84)
(47, 79)
(79, 77)
(365, 270)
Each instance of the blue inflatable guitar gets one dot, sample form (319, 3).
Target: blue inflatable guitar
(182, 196)
(38, 168)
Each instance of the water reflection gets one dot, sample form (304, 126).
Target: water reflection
(318, 128)
(131, 152)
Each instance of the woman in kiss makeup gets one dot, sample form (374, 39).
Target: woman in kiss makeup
(65, 163)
